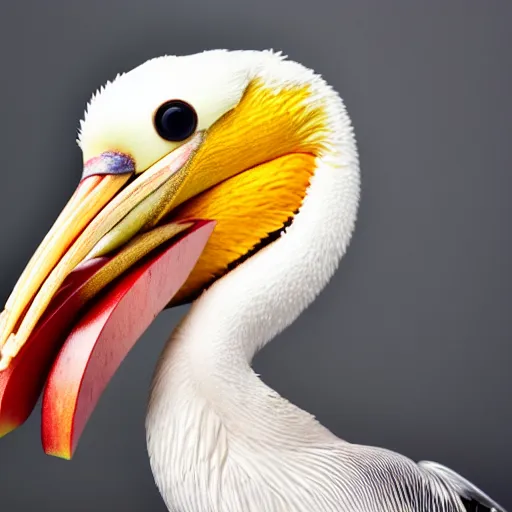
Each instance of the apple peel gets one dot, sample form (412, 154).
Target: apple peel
(102, 338)
(22, 382)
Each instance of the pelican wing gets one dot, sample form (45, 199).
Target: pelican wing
(472, 498)
(390, 482)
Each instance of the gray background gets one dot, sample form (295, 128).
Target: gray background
(409, 346)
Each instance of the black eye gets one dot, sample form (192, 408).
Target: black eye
(175, 120)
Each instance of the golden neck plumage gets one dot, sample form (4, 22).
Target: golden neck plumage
(265, 152)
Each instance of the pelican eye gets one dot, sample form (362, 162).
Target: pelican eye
(175, 120)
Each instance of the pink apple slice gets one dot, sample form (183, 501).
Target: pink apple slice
(105, 334)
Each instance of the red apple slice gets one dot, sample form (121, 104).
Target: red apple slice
(22, 382)
(102, 338)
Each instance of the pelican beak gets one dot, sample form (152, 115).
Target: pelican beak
(111, 227)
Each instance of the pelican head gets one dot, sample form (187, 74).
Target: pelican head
(222, 142)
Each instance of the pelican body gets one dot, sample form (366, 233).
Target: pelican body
(263, 150)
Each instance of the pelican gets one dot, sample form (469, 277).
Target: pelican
(229, 180)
